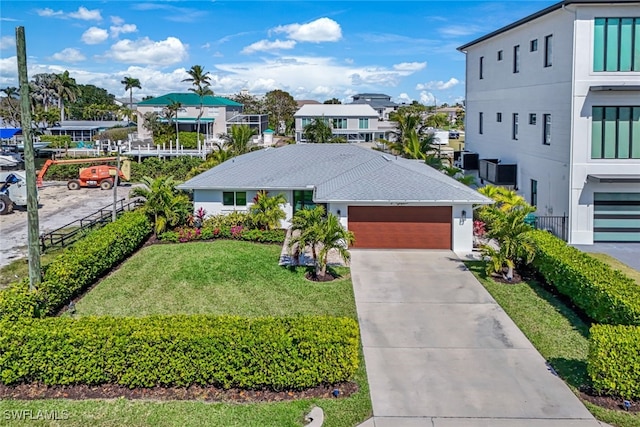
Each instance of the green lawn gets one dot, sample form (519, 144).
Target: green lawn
(617, 265)
(219, 277)
(555, 330)
(19, 269)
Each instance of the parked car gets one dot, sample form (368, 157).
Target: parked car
(454, 134)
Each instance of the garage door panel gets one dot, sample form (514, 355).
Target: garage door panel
(406, 227)
(616, 217)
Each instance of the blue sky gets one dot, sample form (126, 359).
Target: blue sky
(313, 50)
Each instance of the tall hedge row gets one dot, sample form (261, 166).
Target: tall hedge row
(226, 351)
(614, 360)
(77, 268)
(606, 295)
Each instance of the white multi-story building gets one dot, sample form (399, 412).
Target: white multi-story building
(353, 122)
(555, 98)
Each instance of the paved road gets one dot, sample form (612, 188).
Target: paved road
(627, 253)
(441, 352)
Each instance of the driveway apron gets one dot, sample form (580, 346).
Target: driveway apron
(441, 352)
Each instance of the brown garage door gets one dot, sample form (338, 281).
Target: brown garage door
(401, 227)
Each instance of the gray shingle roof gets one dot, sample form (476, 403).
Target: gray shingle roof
(338, 172)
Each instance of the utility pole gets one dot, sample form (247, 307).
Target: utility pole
(114, 215)
(33, 223)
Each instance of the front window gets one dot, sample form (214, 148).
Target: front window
(306, 121)
(616, 44)
(615, 133)
(234, 198)
(514, 126)
(339, 123)
(533, 45)
(481, 71)
(533, 119)
(548, 50)
(546, 131)
(516, 59)
(303, 199)
(363, 124)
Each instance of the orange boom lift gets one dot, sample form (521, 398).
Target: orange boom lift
(93, 176)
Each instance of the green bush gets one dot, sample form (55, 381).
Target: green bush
(264, 236)
(187, 139)
(116, 134)
(226, 351)
(78, 267)
(178, 167)
(604, 294)
(208, 232)
(614, 360)
(231, 219)
(58, 141)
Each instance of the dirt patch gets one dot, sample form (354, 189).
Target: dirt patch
(609, 402)
(202, 393)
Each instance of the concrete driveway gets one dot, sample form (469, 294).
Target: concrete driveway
(627, 253)
(441, 352)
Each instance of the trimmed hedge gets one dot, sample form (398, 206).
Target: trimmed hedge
(226, 351)
(77, 268)
(614, 360)
(604, 294)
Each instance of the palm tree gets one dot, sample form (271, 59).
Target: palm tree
(172, 111)
(305, 230)
(318, 131)
(163, 204)
(201, 82)
(506, 200)
(459, 175)
(332, 235)
(407, 122)
(266, 211)
(130, 83)
(11, 92)
(238, 138)
(66, 90)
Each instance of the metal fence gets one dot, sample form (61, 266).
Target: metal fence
(556, 225)
(72, 232)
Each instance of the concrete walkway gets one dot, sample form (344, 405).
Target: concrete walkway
(440, 352)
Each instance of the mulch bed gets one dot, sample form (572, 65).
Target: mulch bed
(319, 278)
(609, 402)
(201, 393)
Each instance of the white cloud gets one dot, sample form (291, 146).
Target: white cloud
(116, 20)
(9, 71)
(266, 45)
(7, 42)
(116, 30)
(94, 35)
(438, 85)
(149, 52)
(427, 98)
(68, 55)
(404, 98)
(320, 30)
(86, 14)
(206, 46)
(410, 66)
(49, 12)
(459, 30)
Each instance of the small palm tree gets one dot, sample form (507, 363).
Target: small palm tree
(318, 131)
(163, 204)
(332, 235)
(238, 138)
(129, 84)
(266, 211)
(305, 230)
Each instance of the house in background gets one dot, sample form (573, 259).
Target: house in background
(84, 130)
(388, 202)
(354, 122)
(217, 111)
(378, 101)
(553, 108)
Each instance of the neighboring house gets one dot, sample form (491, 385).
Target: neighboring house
(378, 101)
(451, 112)
(213, 121)
(354, 122)
(124, 102)
(84, 130)
(555, 97)
(388, 202)
(302, 102)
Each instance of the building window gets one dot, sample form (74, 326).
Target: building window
(306, 121)
(339, 123)
(499, 117)
(533, 45)
(533, 119)
(363, 124)
(499, 55)
(303, 199)
(548, 50)
(546, 129)
(514, 126)
(615, 44)
(480, 123)
(481, 71)
(516, 59)
(237, 198)
(534, 193)
(615, 133)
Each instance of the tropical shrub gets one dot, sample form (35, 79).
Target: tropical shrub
(604, 294)
(226, 351)
(613, 362)
(164, 205)
(58, 141)
(266, 211)
(187, 139)
(153, 167)
(228, 220)
(77, 268)
(115, 134)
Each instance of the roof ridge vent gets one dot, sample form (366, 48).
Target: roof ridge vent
(384, 156)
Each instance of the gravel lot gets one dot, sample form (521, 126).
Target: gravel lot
(58, 207)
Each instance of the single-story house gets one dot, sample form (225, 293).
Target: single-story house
(387, 201)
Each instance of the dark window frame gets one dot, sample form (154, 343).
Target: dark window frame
(533, 119)
(481, 69)
(534, 192)
(500, 55)
(617, 133)
(234, 195)
(516, 59)
(481, 123)
(548, 50)
(514, 126)
(546, 129)
(499, 117)
(533, 45)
